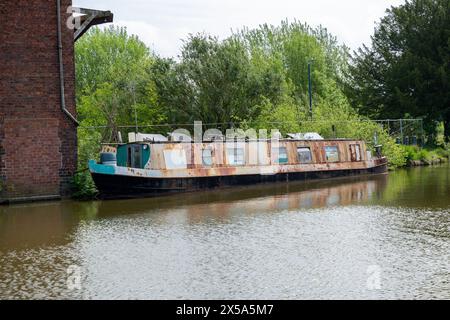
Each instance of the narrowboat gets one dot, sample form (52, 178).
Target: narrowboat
(153, 164)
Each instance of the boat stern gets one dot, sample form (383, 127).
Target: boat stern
(98, 168)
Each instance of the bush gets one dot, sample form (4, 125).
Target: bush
(414, 153)
(443, 153)
(84, 186)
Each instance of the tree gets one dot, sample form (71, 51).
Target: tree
(113, 82)
(405, 72)
(215, 82)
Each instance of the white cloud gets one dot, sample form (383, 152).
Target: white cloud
(163, 23)
(164, 42)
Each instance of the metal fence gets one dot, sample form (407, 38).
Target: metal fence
(404, 131)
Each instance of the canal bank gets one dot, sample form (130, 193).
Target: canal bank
(320, 239)
(416, 157)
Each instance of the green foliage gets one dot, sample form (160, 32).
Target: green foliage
(411, 152)
(84, 186)
(415, 153)
(89, 145)
(406, 70)
(255, 76)
(443, 153)
(215, 82)
(113, 82)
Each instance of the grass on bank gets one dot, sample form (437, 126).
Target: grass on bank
(427, 154)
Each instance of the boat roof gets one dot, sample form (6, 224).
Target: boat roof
(237, 140)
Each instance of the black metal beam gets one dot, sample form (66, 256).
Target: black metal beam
(89, 18)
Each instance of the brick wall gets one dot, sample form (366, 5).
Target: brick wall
(37, 140)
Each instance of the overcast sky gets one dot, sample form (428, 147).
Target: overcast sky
(161, 24)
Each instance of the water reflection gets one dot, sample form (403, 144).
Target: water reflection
(298, 240)
(35, 225)
(254, 199)
(41, 224)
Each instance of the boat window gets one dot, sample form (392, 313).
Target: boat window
(236, 156)
(355, 152)
(207, 157)
(304, 155)
(282, 155)
(175, 159)
(332, 154)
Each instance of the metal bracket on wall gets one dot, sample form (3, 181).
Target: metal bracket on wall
(89, 18)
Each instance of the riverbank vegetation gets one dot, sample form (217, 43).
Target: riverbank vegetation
(257, 78)
(416, 156)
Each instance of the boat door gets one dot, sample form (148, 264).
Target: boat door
(134, 156)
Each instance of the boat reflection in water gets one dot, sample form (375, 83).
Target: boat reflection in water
(35, 225)
(253, 200)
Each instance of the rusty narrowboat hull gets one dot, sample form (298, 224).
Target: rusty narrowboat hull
(130, 186)
(150, 168)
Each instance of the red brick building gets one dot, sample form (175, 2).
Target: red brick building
(38, 134)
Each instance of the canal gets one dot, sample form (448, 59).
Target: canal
(385, 236)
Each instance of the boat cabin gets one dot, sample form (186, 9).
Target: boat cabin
(165, 155)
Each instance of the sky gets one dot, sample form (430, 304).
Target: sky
(163, 24)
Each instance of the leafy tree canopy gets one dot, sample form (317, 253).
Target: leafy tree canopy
(405, 72)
